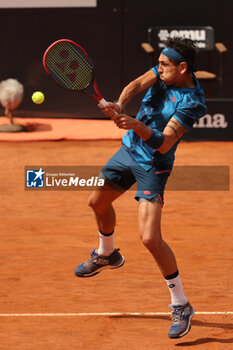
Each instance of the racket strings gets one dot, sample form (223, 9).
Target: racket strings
(69, 66)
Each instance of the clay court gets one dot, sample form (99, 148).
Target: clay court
(44, 235)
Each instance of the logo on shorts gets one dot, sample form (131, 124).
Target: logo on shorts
(35, 178)
(147, 192)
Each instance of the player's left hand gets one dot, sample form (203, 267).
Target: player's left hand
(124, 121)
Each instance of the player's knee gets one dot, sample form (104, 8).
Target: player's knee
(92, 203)
(151, 241)
(96, 205)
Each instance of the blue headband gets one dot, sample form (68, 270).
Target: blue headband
(176, 56)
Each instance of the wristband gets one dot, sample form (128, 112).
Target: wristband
(120, 105)
(156, 139)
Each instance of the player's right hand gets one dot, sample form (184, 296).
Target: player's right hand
(110, 109)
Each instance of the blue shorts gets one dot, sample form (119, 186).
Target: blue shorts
(122, 171)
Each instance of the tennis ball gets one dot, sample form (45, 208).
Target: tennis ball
(38, 97)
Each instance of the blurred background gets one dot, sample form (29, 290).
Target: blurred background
(112, 32)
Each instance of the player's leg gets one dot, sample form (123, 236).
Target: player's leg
(150, 231)
(150, 191)
(100, 201)
(118, 178)
(106, 256)
(150, 212)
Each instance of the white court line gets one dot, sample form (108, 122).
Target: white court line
(99, 314)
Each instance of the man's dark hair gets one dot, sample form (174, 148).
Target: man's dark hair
(186, 47)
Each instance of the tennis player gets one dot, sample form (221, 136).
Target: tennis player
(173, 102)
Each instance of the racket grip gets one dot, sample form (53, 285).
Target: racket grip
(103, 102)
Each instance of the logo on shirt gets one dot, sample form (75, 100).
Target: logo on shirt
(173, 99)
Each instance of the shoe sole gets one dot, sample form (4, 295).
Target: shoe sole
(107, 267)
(187, 329)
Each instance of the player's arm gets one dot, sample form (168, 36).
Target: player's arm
(136, 86)
(161, 141)
(173, 131)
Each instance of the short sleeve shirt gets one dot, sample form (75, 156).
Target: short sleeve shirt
(158, 106)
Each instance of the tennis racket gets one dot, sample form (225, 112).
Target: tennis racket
(70, 66)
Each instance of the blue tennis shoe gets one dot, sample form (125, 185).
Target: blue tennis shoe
(181, 320)
(98, 263)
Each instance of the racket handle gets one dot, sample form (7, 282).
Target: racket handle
(103, 102)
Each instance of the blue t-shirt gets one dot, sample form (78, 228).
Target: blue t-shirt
(160, 104)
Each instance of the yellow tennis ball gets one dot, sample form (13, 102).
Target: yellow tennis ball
(38, 97)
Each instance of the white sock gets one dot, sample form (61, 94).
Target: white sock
(177, 294)
(106, 244)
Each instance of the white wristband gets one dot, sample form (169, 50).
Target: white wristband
(120, 105)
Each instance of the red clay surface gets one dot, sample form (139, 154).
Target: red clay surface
(44, 235)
